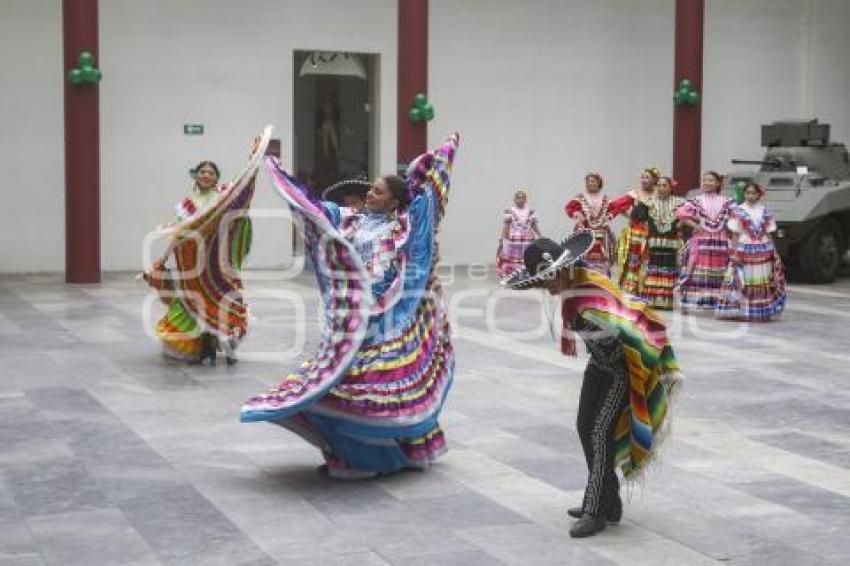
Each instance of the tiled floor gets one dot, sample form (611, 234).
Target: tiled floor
(110, 455)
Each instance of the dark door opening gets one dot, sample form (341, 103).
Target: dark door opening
(334, 118)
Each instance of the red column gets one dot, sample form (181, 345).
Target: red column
(82, 148)
(412, 75)
(687, 120)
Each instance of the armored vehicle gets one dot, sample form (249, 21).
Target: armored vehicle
(807, 179)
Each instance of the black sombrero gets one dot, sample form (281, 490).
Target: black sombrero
(544, 259)
(338, 190)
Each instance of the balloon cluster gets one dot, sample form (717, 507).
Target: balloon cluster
(739, 191)
(85, 72)
(422, 110)
(686, 95)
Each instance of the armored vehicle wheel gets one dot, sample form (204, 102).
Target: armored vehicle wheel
(820, 255)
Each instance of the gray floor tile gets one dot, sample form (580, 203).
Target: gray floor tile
(805, 498)
(15, 537)
(468, 558)
(54, 486)
(90, 538)
(100, 438)
(468, 510)
(809, 445)
(179, 523)
(531, 544)
(348, 559)
(31, 559)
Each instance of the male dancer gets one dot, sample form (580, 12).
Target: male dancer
(629, 379)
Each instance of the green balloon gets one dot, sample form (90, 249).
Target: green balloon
(90, 74)
(85, 59)
(76, 76)
(420, 100)
(693, 97)
(415, 114)
(685, 85)
(739, 193)
(428, 113)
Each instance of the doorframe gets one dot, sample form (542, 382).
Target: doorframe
(373, 62)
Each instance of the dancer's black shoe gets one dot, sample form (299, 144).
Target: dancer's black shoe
(588, 526)
(207, 348)
(614, 514)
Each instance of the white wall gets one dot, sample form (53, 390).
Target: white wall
(753, 74)
(830, 71)
(227, 65)
(32, 154)
(543, 92)
(766, 60)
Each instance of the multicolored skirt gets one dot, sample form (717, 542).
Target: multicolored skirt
(204, 296)
(755, 289)
(601, 254)
(383, 415)
(179, 333)
(509, 256)
(662, 270)
(631, 255)
(704, 261)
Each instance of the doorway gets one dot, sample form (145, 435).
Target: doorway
(334, 117)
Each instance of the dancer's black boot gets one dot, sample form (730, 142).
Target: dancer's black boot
(207, 348)
(613, 515)
(588, 526)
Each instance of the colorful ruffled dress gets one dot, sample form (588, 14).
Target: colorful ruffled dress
(632, 249)
(754, 289)
(211, 239)
(197, 201)
(204, 293)
(596, 218)
(521, 226)
(705, 257)
(664, 243)
(370, 397)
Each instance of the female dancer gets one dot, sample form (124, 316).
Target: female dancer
(705, 258)
(590, 210)
(519, 228)
(632, 249)
(755, 280)
(662, 266)
(628, 381)
(209, 240)
(369, 399)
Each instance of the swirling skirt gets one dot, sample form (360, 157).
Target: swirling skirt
(754, 290)
(662, 270)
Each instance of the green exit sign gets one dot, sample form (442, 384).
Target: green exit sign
(193, 129)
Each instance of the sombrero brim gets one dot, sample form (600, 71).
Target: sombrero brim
(574, 248)
(349, 186)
